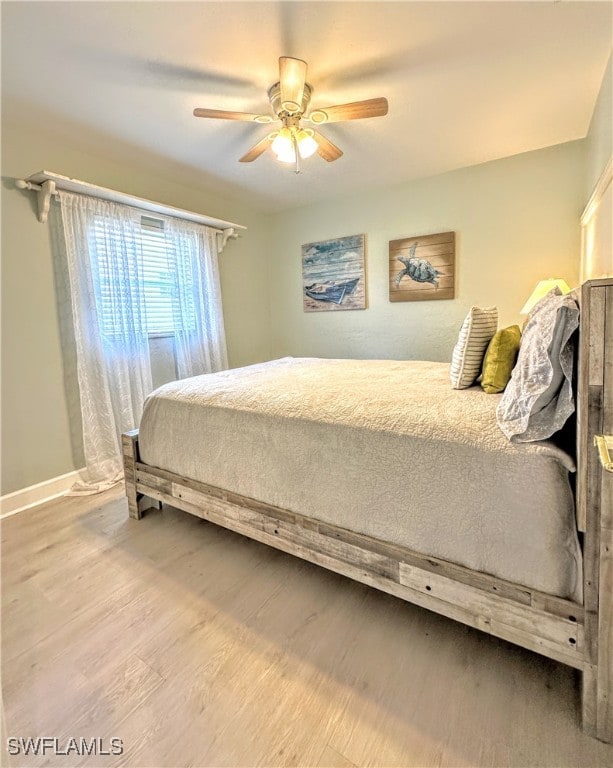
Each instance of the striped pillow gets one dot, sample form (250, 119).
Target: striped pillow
(476, 333)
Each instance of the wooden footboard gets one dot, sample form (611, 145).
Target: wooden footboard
(578, 635)
(137, 502)
(549, 625)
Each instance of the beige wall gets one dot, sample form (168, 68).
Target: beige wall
(40, 406)
(516, 221)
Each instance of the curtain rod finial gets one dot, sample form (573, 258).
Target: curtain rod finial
(45, 192)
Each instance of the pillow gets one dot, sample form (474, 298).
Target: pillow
(499, 359)
(538, 400)
(475, 334)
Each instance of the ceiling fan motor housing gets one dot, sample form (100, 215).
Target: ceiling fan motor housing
(274, 94)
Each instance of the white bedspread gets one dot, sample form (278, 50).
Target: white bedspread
(384, 448)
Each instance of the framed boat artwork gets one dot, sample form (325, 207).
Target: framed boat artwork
(422, 268)
(333, 274)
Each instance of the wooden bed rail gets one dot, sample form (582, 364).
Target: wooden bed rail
(580, 636)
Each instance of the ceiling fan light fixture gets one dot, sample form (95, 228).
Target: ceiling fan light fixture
(288, 157)
(283, 146)
(307, 145)
(287, 139)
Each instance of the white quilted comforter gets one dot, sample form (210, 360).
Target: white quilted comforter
(384, 448)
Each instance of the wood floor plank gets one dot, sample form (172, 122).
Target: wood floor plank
(291, 643)
(113, 697)
(330, 758)
(198, 647)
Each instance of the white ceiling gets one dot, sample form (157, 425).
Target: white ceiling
(466, 82)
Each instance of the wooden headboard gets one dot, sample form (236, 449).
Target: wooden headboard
(595, 396)
(595, 501)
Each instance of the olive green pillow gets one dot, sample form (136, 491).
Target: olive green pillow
(499, 359)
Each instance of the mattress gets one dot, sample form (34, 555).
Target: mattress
(383, 448)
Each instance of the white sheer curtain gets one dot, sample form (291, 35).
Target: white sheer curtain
(200, 340)
(113, 364)
(104, 247)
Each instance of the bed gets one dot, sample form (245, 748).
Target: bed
(331, 461)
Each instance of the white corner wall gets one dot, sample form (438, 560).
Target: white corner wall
(599, 140)
(597, 219)
(516, 222)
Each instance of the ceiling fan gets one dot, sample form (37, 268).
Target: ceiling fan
(289, 100)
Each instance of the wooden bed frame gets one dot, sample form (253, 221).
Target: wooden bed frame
(580, 635)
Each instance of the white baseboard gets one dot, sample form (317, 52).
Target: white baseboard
(34, 495)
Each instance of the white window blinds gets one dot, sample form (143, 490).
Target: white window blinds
(153, 271)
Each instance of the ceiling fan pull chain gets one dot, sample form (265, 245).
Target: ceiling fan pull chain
(296, 152)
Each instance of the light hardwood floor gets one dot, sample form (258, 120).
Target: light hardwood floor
(198, 647)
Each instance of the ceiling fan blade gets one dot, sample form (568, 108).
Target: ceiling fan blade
(326, 149)
(357, 110)
(292, 77)
(256, 150)
(221, 114)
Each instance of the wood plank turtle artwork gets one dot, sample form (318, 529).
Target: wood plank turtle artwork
(422, 268)
(333, 274)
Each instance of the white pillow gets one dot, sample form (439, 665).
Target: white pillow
(477, 331)
(539, 399)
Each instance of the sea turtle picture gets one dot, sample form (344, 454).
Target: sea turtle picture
(428, 267)
(416, 269)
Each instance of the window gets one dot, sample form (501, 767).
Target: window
(132, 274)
(152, 271)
